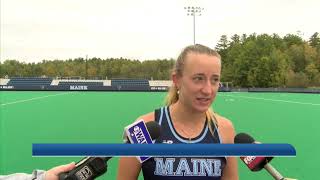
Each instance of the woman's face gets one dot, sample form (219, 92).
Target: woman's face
(199, 82)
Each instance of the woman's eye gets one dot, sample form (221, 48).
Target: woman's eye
(197, 78)
(215, 80)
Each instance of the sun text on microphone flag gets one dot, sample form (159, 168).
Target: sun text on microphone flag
(169, 150)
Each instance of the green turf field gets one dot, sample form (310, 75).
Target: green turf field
(99, 117)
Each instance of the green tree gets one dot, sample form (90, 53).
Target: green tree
(296, 57)
(299, 80)
(291, 39)
(280, 67)
(312, 72)
(314, 40)
(222, 46)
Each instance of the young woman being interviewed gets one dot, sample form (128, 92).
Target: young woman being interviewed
(188, 118)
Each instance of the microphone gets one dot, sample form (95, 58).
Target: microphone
(91, 167)
(138, 133)
(139, 129)
(87, 169)
(255, 163)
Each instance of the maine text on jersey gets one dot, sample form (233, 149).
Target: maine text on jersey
(195, 167)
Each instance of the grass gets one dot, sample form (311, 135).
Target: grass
(99, 117)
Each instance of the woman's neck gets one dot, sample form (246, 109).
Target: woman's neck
(188, 124)
(183, 114)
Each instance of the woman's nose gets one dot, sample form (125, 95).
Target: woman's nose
(207, 88)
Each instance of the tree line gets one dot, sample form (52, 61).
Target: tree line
(270, 60)
(247, 61)
(93, 68)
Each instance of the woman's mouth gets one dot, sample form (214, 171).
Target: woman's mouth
(203, 100)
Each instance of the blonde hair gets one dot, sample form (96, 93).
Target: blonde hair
(172, 96)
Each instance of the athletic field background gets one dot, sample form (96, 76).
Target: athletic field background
(99, 117)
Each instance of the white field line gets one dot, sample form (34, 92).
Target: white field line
(277, 100)
(25, 100)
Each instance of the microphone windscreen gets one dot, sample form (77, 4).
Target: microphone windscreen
(243, 138)
(154, 129)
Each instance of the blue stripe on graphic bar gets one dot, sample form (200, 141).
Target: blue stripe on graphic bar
(163, 150)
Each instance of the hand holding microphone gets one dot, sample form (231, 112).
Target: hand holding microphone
(256, 163)
(91, 167)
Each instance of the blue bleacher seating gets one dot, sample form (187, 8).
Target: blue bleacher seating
(77, 83)
(130, 84)
(29, 81)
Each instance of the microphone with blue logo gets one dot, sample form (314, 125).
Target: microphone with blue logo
(140, 133)
(91, 167)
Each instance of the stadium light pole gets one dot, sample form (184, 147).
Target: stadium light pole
(194, 11)
(86, 67)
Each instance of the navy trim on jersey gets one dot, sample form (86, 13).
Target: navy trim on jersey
(161, 115)
(176, 135)
(216, 128)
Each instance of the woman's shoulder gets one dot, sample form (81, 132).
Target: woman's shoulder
(226, 129)
(223, 122)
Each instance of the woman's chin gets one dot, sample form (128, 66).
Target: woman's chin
(201, 108)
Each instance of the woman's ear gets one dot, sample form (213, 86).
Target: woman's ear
(175, 80)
